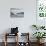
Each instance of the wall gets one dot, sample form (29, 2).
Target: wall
(24, 24)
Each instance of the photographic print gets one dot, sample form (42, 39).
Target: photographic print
(16, 12)
(41, 12)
